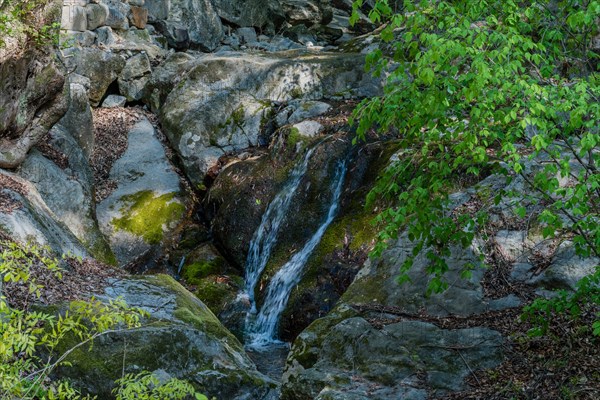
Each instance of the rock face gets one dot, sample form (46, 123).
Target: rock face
(148, 202)
(385, 359)
(182, 338)
(32, 90)
(244, 189)
(225, 101)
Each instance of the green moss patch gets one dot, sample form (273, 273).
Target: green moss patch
(145, 215)
(215, 293)
(194, 273)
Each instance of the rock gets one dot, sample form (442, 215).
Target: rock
(32, 89)
(97, 15)
(117, 15)
(148, 203)
(136, 41)
(251, 13)
(135, 67)
(75, 38)
(567, 268)
(68, 194)
(32, 220)
(157, 10)
(139, 17)
(225, 100)
(181, 338)
(74, 18)
(216, 284)
(355, 360)
(133, 90)
(308, 128)
(177, 35)
(165, 77)
(114, 100)
(512, 244)
(78, 119)
(101, 67)
(307, 12)
(327, 33)
(133, 79)
(307, 109)
(247, 35)
(203, 24)
(105, 36)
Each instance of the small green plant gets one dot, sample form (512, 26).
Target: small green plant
(147, 386)
(31, 340)
(542, 311)
(23, 17)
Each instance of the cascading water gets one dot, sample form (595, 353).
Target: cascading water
(266, 235)
(261, 329)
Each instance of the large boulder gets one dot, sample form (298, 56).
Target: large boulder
(225, 101)
(24, 216)
(32, 87)
(148, 202)
(181, 338)
(344, 356)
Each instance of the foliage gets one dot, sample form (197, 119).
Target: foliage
(30, 339)
(541, 311)
(486, 86)
(24, 17)
(146, 386)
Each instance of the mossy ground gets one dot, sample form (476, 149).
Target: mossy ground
(146, 215)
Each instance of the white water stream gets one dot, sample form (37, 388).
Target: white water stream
(266, 235)
(261, 328)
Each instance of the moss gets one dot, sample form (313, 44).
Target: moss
(191, 311)
(238, 116)
(145, 215)
(102, 251)
(194, 273)
(296, 93)
(215, 294)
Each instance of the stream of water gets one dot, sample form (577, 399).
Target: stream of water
(265, 236)
(261, 328)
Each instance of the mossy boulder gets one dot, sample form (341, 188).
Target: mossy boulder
(181, 337)
(344, 354)
(148, 203)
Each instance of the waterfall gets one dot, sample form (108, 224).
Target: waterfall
(261, 329)
(265, 236)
